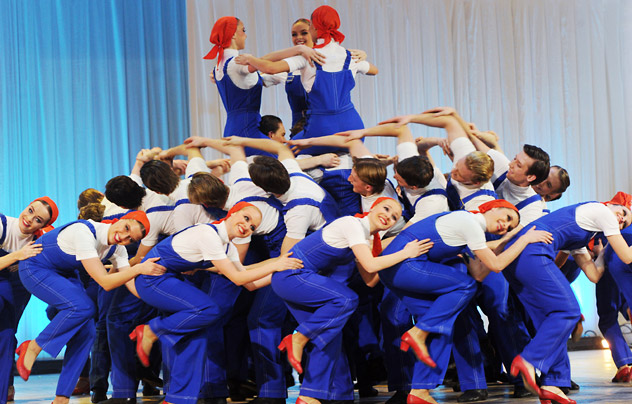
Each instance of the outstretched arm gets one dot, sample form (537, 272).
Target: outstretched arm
(268, 145)
(236, 153)
(356, 147)
(402, 132)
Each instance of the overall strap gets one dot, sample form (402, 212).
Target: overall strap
(347, 61)
(301, 202)
(304, 176)
(3, 219)
(225, 69)
(436, 191)
(217, 231)
(480, 192)
(500, 180)
(528, 201)
(162, 208)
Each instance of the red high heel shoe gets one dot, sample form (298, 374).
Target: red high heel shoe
(286, 345)
(408, 341)
(137, 335)
(21, 352)
(553, 398)
(622, 376)
(520, 365)
(411, 399)
(300, 401)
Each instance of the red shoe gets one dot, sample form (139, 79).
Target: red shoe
(553, 398)
(286, 345)
(300, 400)
(11, 394)
(622, 376)
(408, 341)
(21, 351)
(520, 365)
(137, 335)
(416, 400)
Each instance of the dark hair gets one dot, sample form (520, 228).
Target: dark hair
(159, 177)
(270, 175)
(417, 171)
(89, 195)
(298, 127)
(541, 165)
(269, 123)
(372, 171)
(124, 192)
(565, 182)
(208, 190)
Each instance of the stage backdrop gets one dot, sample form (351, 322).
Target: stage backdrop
(550, 73)
(83, 86)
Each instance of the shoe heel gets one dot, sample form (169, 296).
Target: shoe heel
(404, 346)
(132, 335)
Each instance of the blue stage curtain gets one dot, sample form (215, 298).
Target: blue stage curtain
(84, 85)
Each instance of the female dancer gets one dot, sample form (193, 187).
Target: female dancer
(188, 311)
(17, 243)
(52, 277)
(436, 287)
(239, 88)
(322, 305)
(547, 295)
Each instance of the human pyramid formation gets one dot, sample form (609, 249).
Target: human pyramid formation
(318, 236)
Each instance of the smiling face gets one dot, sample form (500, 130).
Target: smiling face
(518, 168)
(243, 222)
(501, 220)
(623, 215)
(125, 232)
(33, 218)
(301, 35)
(384, 215)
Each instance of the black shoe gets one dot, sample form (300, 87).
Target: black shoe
(520, 391)
(367, 391)
(98, 396)
(213, 400)
(399, 397)
(268, 400)
(473, 395)
(150, 379)
(574, 386)
(120, 400)
(149, 390)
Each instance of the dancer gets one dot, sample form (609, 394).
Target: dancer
(51, 277)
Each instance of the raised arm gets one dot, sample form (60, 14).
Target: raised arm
(356, 147)
(268, 145)
(236, 153)
(402, 132)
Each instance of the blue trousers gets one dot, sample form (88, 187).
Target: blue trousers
(73, 326)
(550, 303)
(335, 182)
(322, 307)
(610, 302)
(265, 321)
(224, 293)
(7, 336)
(435, 294)
(125, 313)
(396, 320)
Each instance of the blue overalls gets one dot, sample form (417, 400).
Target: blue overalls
(435, 289)
(321, 305)
(52, 277)
(547, 295)
(614, 291)
(455, 202)
(266, 317)
(296, 97)
(186, 313)
(242, 109)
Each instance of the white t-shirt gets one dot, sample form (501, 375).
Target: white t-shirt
(239, 74)
(431, 204)
(300, 219)
(463, 228)
(335, 59)
(159, 210)
(513, 193)
(461, 147)
(77, 240)
(14, 239)
(202, 243)
(347, 231)
(597, 217)
(187, 214)
(111, 210)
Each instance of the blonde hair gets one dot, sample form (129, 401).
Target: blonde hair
(88, 196)
(481, 165)
(208, 190)
(93, 211)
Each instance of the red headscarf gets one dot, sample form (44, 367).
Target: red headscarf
(621, 198)
(53, 208)
(221, 35)
(377, 242)
(327, 21)
(238, 206)
(496, 203)
(139, 216)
